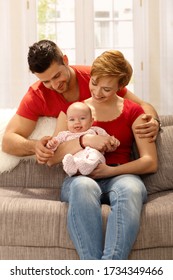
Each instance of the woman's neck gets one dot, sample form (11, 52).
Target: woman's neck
(108, 110)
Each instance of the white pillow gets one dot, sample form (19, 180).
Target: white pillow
(45, 126)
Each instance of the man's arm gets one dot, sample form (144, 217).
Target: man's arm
(15, 140)
(152, 125)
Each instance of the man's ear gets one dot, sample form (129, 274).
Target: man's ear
(65, 60)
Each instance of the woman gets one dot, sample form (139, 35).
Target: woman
(119, 177)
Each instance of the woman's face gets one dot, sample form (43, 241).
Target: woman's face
(103, 89)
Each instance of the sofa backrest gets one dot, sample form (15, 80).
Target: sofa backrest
(30, 174)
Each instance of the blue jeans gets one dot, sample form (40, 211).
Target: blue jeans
(126, 193)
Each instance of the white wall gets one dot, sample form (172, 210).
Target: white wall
(15, 31)
(153, 51)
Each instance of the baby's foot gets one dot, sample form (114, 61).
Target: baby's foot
(69, 165)
(87, 167)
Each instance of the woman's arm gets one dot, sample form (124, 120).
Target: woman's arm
(146, 163)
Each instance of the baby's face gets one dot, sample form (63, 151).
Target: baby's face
(79, 119)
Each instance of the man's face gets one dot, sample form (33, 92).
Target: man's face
(56, 77)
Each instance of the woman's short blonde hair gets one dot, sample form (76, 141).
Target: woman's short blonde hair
(112, 63)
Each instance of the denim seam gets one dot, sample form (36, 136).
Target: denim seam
(79, 240)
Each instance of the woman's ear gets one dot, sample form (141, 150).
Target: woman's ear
(65, 60)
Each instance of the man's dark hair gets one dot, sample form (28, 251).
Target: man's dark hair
(42, 54)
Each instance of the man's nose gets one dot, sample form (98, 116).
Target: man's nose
(53, 84)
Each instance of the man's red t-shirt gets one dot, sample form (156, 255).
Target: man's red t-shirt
(40, 101)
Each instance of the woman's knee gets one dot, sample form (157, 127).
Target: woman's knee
(129, 188)
(82, 187)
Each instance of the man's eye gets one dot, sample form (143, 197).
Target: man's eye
(56, 77)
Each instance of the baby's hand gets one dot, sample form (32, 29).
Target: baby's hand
(52, 144)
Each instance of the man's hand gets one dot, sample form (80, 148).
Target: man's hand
(42, 153)
(149, 129)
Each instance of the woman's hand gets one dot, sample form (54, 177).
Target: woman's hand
(102, 171)
(42, 153)
(149, 129)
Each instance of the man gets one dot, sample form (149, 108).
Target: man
(59, 85)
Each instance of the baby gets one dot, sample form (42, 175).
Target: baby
(79, 122)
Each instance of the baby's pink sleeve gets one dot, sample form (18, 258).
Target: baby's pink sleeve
(61, 137)
(100, 131)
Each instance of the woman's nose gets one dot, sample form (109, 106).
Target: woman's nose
(98, 92)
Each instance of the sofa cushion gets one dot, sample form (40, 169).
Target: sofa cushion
(31, 174)
(32, 217)
(156, 225)
(162, 180)
(36, 218)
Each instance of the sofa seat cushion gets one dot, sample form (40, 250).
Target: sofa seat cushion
(156, 222)
(35, 217)
(32, 217)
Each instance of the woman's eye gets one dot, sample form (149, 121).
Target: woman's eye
(94, 84)
(107, 89)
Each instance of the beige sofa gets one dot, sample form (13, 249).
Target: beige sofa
(33, 219)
